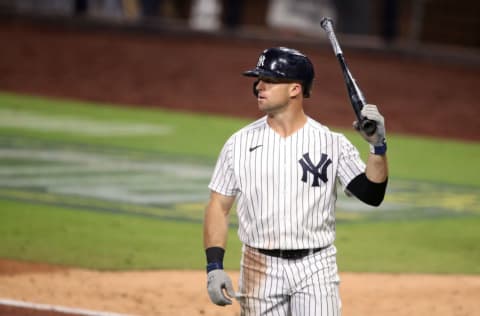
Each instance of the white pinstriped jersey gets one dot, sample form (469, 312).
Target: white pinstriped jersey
(285, 187)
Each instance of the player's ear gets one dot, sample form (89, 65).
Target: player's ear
(295, 89)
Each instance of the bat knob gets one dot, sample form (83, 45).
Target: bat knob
(369, 127)
(325, 22)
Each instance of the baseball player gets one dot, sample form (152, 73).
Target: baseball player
(282, 170)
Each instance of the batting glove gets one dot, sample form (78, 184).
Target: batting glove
(218, 280)
(377, 141)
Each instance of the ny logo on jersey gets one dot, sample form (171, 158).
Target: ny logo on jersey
(308, 166)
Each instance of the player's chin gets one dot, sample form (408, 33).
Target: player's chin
(262, 106)
(260, 102)
(269, 107)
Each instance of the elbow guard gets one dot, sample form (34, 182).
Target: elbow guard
(367, 191)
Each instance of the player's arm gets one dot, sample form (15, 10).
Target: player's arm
(377, 168)
(371, 185)
(215, 227)
(215, 232)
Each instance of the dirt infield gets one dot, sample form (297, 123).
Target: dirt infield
(157, 293)
(203, 74)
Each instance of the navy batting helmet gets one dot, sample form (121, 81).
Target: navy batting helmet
(284, 63)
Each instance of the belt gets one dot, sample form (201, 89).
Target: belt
(289, 254)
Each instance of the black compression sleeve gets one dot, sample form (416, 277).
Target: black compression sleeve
(215, 254)
(367, 191)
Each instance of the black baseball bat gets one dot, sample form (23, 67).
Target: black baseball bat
(356, 96)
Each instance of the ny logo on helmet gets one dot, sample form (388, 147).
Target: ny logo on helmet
(261, 61)
(308, 166)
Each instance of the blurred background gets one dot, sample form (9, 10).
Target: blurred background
(381, 22)
(113, 112)
(411, 56)
(418, 60)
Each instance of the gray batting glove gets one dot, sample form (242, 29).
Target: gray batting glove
(377, 140)
(218, 280)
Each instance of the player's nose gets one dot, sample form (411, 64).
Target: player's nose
(260, 84)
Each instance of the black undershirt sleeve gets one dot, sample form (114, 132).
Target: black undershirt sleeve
(367, 191)
(215, 254)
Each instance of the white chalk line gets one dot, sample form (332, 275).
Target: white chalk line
(112, 178)
(76, 125)
(56, 308)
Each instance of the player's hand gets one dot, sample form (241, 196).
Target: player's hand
(371, 112)
(218, 281)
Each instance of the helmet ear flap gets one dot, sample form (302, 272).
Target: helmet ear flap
(306, 90)
(255, 91)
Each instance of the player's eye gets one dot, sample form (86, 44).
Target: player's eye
(272, 80)
(268, 80)
(275, 80)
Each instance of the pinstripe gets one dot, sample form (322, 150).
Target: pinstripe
(312, 283)
(316, 212)
(271, 218)
(261, 187)
(253, 189)
(302, 199)
(280, 206)
(273, 176)
(265, 199)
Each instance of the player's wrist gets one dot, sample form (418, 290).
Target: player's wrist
(379, 148)
(214, 258)
(214, 266)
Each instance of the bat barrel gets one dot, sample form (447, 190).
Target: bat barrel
(327, 25)
(356, 96)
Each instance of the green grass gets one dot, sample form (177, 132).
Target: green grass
(448, 245)
(79, 237)
(194, 135)
(201, 136)
(428, 159)
(435, 160)
(99, 240)
(87, 239)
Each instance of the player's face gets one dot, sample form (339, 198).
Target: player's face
(273, 94)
